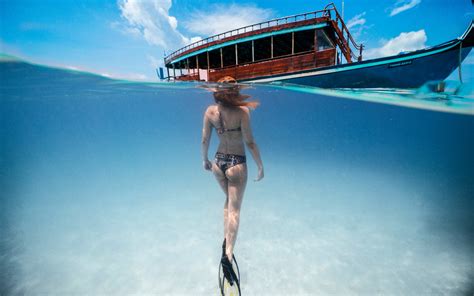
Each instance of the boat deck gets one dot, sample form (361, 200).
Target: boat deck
(283, 45)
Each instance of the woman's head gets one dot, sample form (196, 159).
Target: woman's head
(227, 79)
(228, 93)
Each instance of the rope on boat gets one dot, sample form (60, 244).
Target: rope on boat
(460, 61)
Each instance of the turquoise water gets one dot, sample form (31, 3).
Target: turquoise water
(103, 191)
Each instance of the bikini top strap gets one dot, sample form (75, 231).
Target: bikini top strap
(221, 129)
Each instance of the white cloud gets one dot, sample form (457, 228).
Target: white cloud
(126, 29)
(406, 41)
(127, 76)
(155, 62)
(357, 24)
(402, 5)
(74, 68)
(357, 20)
(106, 75)
(151, 19)
(222, 18)
(136, 76)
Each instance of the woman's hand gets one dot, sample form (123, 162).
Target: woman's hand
(207, 165)
(260, 174)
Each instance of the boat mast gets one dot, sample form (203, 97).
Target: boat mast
(460, 61)
(340, 52)
(342, 10)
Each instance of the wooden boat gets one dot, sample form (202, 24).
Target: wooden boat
(304, 49)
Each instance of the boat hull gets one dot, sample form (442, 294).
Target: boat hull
(410, 70)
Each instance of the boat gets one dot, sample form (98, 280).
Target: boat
(311, 49)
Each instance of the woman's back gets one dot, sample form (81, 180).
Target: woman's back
(228, 123)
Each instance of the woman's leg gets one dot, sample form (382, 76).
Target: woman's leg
(222, 180)
(237, 180)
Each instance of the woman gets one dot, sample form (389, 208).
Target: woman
(230, 117)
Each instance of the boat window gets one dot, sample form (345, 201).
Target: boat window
(282, 45)
(244, 52)
(215, 58)
(323, 40)
(262, 49)
(228, 53)
(304, 41)
(180, 65)
(202, 59)
(192, 62)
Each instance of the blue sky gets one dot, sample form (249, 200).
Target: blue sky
(128, 38)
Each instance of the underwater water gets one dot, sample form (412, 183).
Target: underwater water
(103, 191)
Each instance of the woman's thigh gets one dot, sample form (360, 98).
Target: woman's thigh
(237, 180)
(220, 177)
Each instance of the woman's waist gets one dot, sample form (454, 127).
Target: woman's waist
(233, 149)
(230, 157)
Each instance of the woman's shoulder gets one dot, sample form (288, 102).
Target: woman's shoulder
(211, 110)
(244, 109)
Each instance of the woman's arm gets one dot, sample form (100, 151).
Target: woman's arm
(250, 142)
(206, 137)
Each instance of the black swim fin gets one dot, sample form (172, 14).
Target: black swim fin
(223, 248)
(229, 272)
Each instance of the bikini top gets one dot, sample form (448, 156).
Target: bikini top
(222, 130)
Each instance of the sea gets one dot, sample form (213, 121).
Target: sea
(366, 192)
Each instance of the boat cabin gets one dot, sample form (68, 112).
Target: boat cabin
(280, 46)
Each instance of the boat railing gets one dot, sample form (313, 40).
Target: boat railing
(326, 12)
(345, 32)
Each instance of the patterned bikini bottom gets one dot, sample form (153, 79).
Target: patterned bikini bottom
(226, 161)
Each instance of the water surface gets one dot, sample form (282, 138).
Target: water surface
(104, 191)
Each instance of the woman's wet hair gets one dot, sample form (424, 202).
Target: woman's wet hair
(228, 93)
(227, 79)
